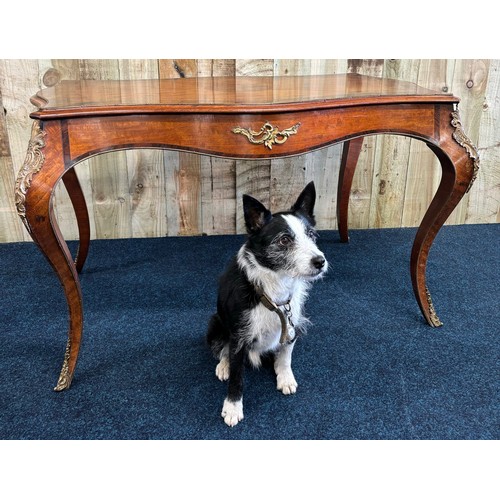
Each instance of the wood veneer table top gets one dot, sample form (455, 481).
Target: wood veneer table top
(225, 95)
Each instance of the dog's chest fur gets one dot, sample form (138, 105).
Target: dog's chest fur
(261, 328)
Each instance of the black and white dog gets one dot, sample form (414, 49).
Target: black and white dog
(262, 294)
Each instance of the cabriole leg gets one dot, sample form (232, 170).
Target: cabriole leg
(43, 167)
(459, 161)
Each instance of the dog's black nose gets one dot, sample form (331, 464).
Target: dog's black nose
(318, 262)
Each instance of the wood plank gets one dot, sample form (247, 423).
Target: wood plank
(254, 67)
(189, 194)
(253, 178)
(361, 190)
(391, 160)
(11, 228)
(287, 181)
(171, 174)
(218, 198)
(177, 68)
(148, 209)
(292, 67)
(288, 67)
(484, 206)
(469, 83)
(4, 138)
(328, 66)
(216, 67)
(138, 69)
(323, 168)
(19, 78)
(98, 69)
(110, 192)
(188, 68)
(369, 67)
(389, 181)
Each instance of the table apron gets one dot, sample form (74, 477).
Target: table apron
(214, 134)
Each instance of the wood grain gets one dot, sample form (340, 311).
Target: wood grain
(392, 152)
(484, 200)
(17, 79)
(362, 185)
(470, 82)
(218, 201)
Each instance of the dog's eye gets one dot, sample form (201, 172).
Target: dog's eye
(285, 241)
(312, 234)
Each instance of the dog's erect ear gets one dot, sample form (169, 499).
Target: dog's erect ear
(256, 214)
(306, 200)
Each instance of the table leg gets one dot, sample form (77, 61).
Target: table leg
(42, 169)
(77, 198)
(350, 155)
(459, 161)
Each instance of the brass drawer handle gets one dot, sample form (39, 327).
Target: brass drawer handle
(268, 134)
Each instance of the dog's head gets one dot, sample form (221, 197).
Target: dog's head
(286, 241)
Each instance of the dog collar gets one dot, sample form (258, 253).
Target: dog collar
(284, 314)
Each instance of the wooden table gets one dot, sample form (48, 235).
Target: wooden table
(235, 117)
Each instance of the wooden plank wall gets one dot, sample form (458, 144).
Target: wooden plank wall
(153, 193)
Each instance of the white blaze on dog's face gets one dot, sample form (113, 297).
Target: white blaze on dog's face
(296, 248)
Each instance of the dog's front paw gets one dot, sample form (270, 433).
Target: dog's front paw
(232, 412)
(286, 382)
(222, 370)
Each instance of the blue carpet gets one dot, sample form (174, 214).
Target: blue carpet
(369, 367)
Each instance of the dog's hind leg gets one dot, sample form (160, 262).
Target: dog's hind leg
(286, 382)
